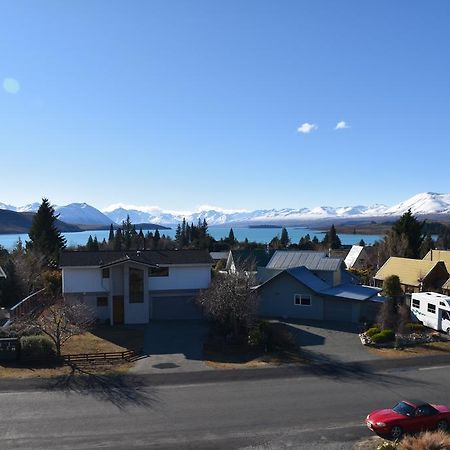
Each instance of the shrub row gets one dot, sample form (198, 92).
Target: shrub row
(37, 347)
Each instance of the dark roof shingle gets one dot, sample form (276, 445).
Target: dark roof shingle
(150, 257)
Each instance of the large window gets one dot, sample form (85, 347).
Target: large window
(416, 303)
(102, 302)
(136, 285)
(302, 300)
(158, 272)
(431, 308)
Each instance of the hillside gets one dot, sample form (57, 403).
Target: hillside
(12, 222)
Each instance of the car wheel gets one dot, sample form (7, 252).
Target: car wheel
(396, 432)
(448, 331)
(442, 425)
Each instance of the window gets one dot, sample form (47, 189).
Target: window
(445, 315)
(431, 308)
(102, 302)
(415, 303)
(302, 300)
(158, 272)
(105, 273)
(136, 285)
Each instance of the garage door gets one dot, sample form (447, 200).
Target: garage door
(174, 308)
(338, 311)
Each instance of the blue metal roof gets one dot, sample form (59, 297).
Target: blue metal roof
(286, 259)
(306, 277)
(352, 291)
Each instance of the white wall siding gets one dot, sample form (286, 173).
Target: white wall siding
(84, 280)
(182, 277)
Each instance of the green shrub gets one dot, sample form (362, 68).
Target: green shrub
(414, 328)
(372, 331)
(383, 336)
(37, 347)
(258, 335)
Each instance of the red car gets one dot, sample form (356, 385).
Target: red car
(408, 417)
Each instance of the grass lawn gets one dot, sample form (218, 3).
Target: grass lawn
(99, 340)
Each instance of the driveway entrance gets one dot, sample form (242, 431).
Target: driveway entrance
(327, 341)
(173, 346)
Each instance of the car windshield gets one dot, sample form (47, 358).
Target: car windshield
(404, 409)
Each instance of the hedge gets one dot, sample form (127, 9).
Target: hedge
(37, 347)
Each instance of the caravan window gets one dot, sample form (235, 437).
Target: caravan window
(415, 303)
(431, 308)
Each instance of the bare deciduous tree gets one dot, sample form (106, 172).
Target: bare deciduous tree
(230, 300)
(59, 320)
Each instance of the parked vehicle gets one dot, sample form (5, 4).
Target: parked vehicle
(408, 417)
(432, 309)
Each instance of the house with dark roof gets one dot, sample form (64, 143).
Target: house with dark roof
(299, 293)
(135, 286)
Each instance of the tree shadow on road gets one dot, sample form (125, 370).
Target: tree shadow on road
(369, 371)
(121, 390)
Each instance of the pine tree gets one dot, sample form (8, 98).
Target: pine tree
(118, 240)
(205, 228)
(184, 237)
(111, 234)
(156, 239)
(44, 236)
(95, 244)
(331, 239)
(284, 240)
(410, 228)
(178, 236)
(231, 238)
(90, 243)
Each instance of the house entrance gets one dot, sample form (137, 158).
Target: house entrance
(118, 309)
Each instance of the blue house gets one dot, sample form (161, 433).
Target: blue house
(310, 285)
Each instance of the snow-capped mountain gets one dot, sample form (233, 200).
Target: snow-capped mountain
(82, 214)
(425, 203)
(428, 203)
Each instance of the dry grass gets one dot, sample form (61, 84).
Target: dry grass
(430, 440)
(433, 348)
(436, 440)
(218, 361)
(101, 339)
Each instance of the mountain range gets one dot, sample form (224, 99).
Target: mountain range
(423, 204)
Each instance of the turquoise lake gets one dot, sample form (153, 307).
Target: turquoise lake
(262, 235)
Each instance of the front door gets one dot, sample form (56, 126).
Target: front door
(118, 310)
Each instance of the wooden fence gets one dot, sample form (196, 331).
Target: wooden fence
(99, 358)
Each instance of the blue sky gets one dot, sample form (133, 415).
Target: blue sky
(184, 103)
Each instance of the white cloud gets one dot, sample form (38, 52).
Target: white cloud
(11, 86)
(201, 208)
(306, 128)
(342, 125)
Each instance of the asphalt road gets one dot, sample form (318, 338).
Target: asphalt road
(311, 411)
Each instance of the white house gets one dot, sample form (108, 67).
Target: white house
(137, 286)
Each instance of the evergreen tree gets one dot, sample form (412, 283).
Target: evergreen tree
(231, 238)
(111, 234)
(156, 239)
(118, 240)
(362, 243)
(141, 240)
(410, 228)
(184, 237)
(284, 240)
(205, 228)
(179, 236)
(427, 245)
(44, 236)
(95, 244)
(127, 233)
(331, 239)
(90, 243)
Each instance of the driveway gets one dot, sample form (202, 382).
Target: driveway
(173, 346)
(329, 341)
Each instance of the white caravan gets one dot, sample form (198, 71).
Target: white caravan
(432, 309)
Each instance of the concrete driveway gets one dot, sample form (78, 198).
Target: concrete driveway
(173, 346)
(329, 341)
